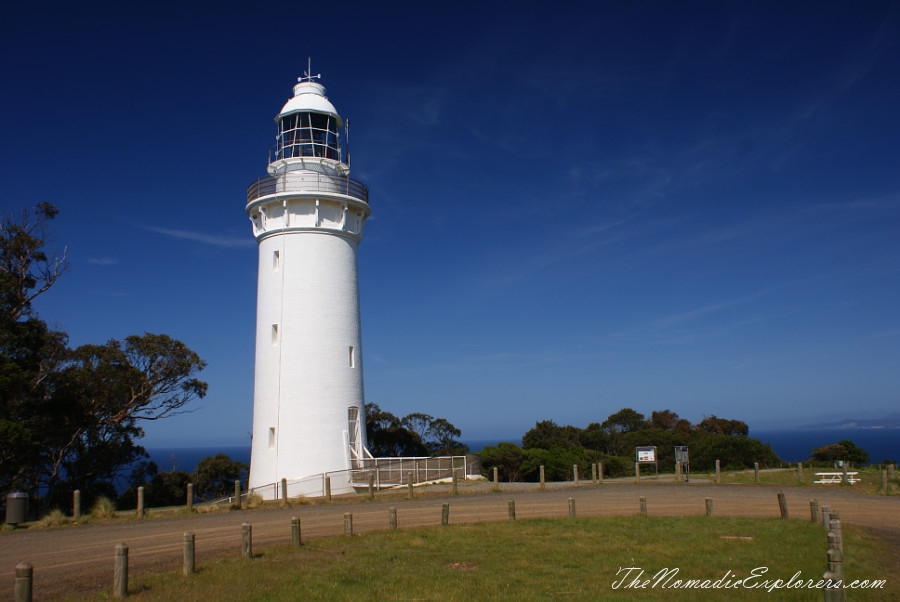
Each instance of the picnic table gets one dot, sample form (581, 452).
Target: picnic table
(829, 478)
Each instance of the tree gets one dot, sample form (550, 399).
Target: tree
(71, 418)
(387, 437)
(506, 457)
(214, 476)
(844, 450)
(414, 435)
(722, 426)
(546, 434)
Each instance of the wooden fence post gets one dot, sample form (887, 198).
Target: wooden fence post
(814, 511)
(800, 471)
(392, 517)
(296, 541)
(410, 494)
(834, 528)
(496, 479)
(637, 472)
(455, 482)
(445, 515)
(284, 495)
(709, 506)
(643, 503)
(246, 541)
(718, 472)
(327, 489)
(594, 473)
(24, 582)
(575, 474)
(348, 524)
(189, 502)
(188, 548)
(76, 504)
(372, 486)
(237, 494)
(120, 577)
(756, 472)
(511, 508)
(571, 507)
(834, 574)
(782, 505)
(844, 474)
(140, 502)
(600, 471)
(543, 480)
(826, 510)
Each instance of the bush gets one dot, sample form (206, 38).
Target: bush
(104, 508)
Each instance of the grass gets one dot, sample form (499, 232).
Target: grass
(575, 559)
(870, 482)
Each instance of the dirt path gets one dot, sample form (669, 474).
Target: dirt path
(81, 559)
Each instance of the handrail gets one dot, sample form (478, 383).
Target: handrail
(307, 181)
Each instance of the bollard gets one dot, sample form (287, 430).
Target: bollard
(348, 524)
(756, 472)
(709, 506)
(327, 489)
(371, 486)
(677, 471)
(392, 517)
(511, 508)
(496, 479)
(237, 495)
(76, 504)
(445, 515)
(543, 480)
(782, 505)
(24, 582)
(834, 528)
(814, 511)
(409, 484)
(188, 554)
(295, 532)
(571, 507)
(575, 474)
(284, 499)
(140, 502)
(120, 578)
(844, 475)
(643, 502)
(455, 483)
(246, 541)
(600, 471)
(800, 471)
(190, 498)
(834, 574)
(826, 510)
(718, 472)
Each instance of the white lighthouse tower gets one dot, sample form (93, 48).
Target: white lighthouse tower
(308, 219)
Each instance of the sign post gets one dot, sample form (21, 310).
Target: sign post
(647, 455)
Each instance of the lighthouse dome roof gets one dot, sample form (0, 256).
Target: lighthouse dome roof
(309, 96)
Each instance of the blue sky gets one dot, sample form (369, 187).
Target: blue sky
(576, 207)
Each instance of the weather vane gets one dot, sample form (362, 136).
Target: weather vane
(307, 75)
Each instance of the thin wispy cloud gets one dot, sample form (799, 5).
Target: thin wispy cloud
(207, 239)
(102, 261)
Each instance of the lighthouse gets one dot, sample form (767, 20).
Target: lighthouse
(308, 217)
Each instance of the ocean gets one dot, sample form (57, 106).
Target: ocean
(791, 446)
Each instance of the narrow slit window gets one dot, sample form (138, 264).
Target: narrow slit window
(352, 358)
(274, 334)
(271, 437)
(276, 258)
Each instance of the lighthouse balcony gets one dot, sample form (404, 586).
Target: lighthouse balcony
(307, 181)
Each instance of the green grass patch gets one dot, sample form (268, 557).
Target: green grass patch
(870, 479)
(575, 559)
